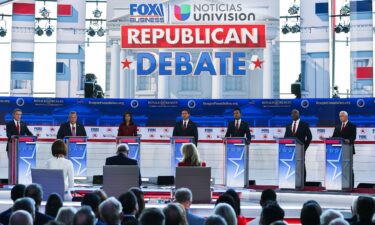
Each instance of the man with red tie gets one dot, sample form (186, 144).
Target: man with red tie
(186, 127)
(71, 128)
(16, 127)
(238, 127)
(300, 130)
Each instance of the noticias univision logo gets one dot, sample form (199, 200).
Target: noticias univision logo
(146, 13)
(182, 12)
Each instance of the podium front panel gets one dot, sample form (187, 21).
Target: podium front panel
(236, 162)
(333, 176)
(77, 154)
(287, 163)
(176, 155)
(134, 144)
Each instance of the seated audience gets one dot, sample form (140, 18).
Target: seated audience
(66, 215)
(84, 216)
(140, 200)
(35, 192)
(339, 221)
(173, 214)
(93, 200)
(26, 204)
(267, 195)
(102, 195)
(111, 211)
(54, 222)
(122, 158)
(215, 220)
(231, 197)
(185, 197)
(54, 203)
(152, 216)
(20, 217)
(365, 210)
(18, 191)
(184, 220)
(310, 213)
(271, 212)
(129, 208)
(353, 208)
(190, 156)
(227, 212)
(59, 162)
(329, 215)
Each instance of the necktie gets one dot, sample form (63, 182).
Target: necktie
(185, 126)
(18, 128)
(237, 124)
(73, 131)
(294, 127)
(342, 126)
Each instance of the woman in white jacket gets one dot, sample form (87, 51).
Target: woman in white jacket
(59, 162)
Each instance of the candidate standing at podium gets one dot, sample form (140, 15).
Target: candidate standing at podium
(16, 127)
(238, 127)
(186, 127)
(71, 128)
(127, 127)
(300, 130)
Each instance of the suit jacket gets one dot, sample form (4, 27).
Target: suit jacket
(4, 216)
(129, 220)
(124, 130)
(122, 160)
(349, 132)
(41, 219)
(194, 219)
(303, 133)
(243, 130)
(12, 130)
(191, 130)
(65, 131)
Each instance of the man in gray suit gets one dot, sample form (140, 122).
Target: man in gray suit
(185, 198)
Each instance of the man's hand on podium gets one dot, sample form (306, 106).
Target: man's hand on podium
(347, 141)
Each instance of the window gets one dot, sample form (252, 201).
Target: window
(82, 81)
(189, 83)
(20, 84)
(233, 83)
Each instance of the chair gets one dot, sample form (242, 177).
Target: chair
(52, 181)
(198, 180)
(118, 179)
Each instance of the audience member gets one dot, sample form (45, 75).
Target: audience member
(310, 213)
(129, 208)
(18, 191)
(26, 204)
(185, 197)
(140, 200)
(54, 203)
(102, 195)
(329, 215)
(267, 195)
(237, 206)
(271, 212)
(20, 217)
(339, 221)
(152, 216)
(35, 192)
(66, 215)
(93, 200)
(111, 211)
(190, 156)
(227, 212)
(84, 216)
(365, 210)
(173, 214)
(353, 208)
(215, 220)
(54, 222)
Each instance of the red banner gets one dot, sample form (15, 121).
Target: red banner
(193, 36)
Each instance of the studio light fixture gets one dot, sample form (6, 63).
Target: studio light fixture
(97, 13)
(44, 12)
(49, 30)
(39, 31)
(345, 10)
(296, 28)
(294, 9)
(286, 29)
(3, 32)
(342, 28)
(91, 32)
(100, 32)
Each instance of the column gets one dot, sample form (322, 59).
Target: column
(115, 68)
(123, 75)
(268, 71)
(163, 85)
(131, 76)
(216, 81)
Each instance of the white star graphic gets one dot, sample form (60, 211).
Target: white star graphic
(136, 153)
(237, 173)
(25, 159)
(289, 174)
(78, 160)
(332, 163)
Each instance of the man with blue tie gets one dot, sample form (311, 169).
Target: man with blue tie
(16, 127)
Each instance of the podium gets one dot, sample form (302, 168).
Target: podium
(339, 165)
(22, 159)
(176, 155)
(77, 153)
(291, 163)
(236, 162)
(134, 143)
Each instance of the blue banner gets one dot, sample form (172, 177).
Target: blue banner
(77, 153)
(26, 159)
(236, 162)
(333, 165)
(287, 164)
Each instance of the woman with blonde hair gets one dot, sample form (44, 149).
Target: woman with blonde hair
(190, 156)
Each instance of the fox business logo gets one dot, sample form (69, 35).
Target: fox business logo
(146, 13)
(208, 130)
(265, 131)
(362, 137)
(151, 130)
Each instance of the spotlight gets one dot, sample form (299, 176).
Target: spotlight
(293, 10)
(3, 32)
(339, 28)
(285, 29)
(97, 13)
(39, 31)
(346, 28)
(345, 10)
(91, 32)
(100, 32)
(49, 31)
(44, 12)
(296, 28)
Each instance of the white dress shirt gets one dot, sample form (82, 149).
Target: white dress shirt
(66, 165)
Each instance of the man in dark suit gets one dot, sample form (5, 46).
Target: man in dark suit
(16, 127)
(347, 131)
(35, 192)
(186, 127)
(17, 192)
(300, 130)
(238, 127)
(122, 158)
(71, 128)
